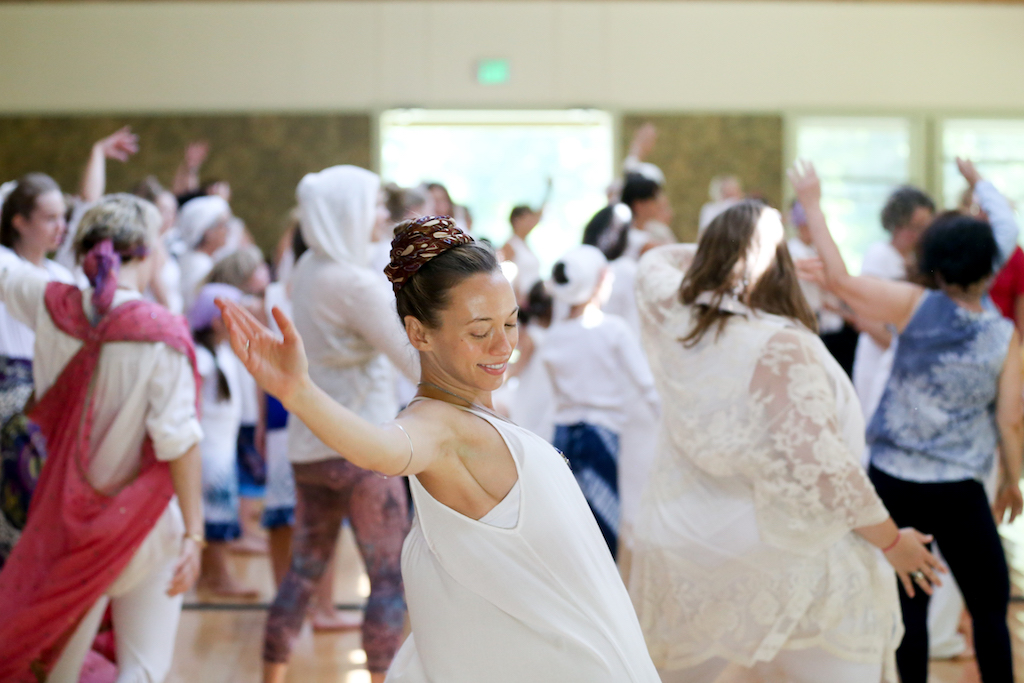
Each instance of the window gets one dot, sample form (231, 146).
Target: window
(490, 161)
(860, 161)
(996, 146)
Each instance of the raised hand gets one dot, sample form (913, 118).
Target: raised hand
(120, 146)
(968, 171)
(913, 562)
(195, 154)
(643, 141)
(279, 366)
(805, 183)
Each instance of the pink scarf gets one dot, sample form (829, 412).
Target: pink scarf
(78, 540)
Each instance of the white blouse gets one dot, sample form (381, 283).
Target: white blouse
(594, 361)
(747, 522)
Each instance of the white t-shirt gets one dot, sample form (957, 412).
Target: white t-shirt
(16, 338)
(591, 360)
(881, 260)
(221, 418)
(527, 263)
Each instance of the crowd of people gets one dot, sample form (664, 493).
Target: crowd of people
(659, 462)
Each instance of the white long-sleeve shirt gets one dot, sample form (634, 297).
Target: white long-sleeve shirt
(16, 338)
(140, 389)
(591, 360)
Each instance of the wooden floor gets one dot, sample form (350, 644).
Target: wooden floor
(221, 643)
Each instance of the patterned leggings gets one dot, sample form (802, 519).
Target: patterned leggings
(327, 492)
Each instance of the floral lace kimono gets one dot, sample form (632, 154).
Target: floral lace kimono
(743, 543)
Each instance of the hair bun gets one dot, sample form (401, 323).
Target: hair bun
(418, 241)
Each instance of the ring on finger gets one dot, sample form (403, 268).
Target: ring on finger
(918, 576)
(247, 345)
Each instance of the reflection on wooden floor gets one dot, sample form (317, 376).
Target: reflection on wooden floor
(224, 645)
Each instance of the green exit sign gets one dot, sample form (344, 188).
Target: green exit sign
(492, 71)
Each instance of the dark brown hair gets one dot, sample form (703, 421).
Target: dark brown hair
(720, 267)
(22, 202)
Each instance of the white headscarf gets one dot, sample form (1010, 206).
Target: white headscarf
(337, 212)
(6, 189)
(584, 266)
(198, 215)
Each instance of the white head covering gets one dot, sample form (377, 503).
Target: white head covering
(650, 171)
(337, 212)
(583, 268)
(6, 189)
(198, 215)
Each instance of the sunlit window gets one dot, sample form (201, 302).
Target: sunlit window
(997, 148)
(491, 161)
(860, 161)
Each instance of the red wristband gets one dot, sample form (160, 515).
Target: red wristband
(899, 534)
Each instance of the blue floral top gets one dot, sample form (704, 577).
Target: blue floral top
(936, 420)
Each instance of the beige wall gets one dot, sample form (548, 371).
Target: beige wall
(627, 55)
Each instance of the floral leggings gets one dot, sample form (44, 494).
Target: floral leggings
(327, 492)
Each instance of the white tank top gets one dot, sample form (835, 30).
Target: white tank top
(538, 601)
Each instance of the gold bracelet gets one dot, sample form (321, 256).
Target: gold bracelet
(198, 538)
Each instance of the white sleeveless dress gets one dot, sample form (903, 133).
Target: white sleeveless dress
(540, 601)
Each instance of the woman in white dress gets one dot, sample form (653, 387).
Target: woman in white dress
(756, 541)
(507, 576)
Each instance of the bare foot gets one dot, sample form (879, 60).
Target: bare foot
(336, 620)
(249, 545)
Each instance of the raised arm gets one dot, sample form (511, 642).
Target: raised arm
(186, 179)
(281, 369)
(996, 207)
(873, 298)
(121, 145)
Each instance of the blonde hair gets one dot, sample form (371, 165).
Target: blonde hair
(130, 222)
(236, 268)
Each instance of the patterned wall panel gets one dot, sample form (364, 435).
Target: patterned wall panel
(692, 149)
(262, 156)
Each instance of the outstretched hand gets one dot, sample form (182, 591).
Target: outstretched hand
(121, 145)
(278, 365)
(805, 183)
(968, 171)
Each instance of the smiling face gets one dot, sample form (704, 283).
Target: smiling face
(43, 229)
(469, 350)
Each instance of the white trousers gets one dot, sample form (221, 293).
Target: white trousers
(812, 665)
(145, 618)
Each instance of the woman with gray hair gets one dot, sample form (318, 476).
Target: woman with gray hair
(116, 515)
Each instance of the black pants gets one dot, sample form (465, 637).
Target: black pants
(959, 516)
(843, 346)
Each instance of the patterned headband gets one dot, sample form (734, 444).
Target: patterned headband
(424, 239)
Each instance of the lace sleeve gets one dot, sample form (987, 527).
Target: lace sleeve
(658, 277)
(809, 488)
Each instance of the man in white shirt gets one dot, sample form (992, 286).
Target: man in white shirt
(905, 216)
